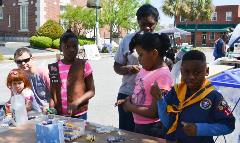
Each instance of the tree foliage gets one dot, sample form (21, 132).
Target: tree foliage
(174, 8)
(119, 13)
(82, 20)
(147, 1)
(199, 10)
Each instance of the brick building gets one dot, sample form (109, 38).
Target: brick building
(224, 18)
(19, 19)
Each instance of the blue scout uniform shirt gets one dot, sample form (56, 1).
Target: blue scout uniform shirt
(212, 116)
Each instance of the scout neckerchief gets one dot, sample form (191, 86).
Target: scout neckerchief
(181, 90)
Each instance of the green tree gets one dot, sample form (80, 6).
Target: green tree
(199, 10)
(148, 1)
(175, 8)
(118, 13)
(80, 19)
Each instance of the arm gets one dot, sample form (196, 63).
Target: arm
(53, 96)
(28, 103)
(224, 121)
(162, 112)
(44, 75)
(150, 112)
(125, 69)
(223, 48)
(205, 129)
(90, 88)
(121, 59)
(28, 96)
(157, 94)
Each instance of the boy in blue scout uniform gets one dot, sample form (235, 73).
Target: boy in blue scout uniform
(193, 111)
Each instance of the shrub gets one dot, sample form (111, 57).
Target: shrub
(56, 44)
(50, 29)
(41, 42)
(85, 42)
(105, 50)
(114, 49)
(1, 57)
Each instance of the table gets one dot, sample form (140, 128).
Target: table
(26, 134)
(234, 62)
(217, 69)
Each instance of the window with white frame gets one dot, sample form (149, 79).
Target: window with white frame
(1, 12)
(182, 19)
(24, 17)
(229, 16)
(214, 16)
(212, 36)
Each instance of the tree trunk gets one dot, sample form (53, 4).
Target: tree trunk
(195, 36)
(111, 28)
(174, 42)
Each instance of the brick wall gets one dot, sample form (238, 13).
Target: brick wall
(52, 9)
(221, 16)
(12, 8)
(221, 19)
(79, 2)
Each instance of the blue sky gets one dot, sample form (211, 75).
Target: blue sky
(165, 20)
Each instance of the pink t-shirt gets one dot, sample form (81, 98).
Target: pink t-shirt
(63, 71)
(141, 95)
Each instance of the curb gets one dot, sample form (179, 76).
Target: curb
(35, 55)
(9, 58)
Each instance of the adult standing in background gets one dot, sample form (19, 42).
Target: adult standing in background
(220, 47)
(126, 63)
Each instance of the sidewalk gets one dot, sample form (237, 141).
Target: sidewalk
(8, 49)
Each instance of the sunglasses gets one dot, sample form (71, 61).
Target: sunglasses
(19, 62)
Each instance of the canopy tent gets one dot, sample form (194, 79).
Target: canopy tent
(175, 31)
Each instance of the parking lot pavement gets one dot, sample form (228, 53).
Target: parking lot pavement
(101, 107)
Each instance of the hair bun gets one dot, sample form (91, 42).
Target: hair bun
(165, 40)
(134, 41)
(69, 30)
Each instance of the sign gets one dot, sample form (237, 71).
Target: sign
(91, 52)
(93, 4)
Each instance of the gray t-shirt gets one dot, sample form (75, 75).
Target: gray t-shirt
(40, 89)
(123, 57)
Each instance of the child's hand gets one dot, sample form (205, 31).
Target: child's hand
(69, 111)
(127, 105)
(189, 129)
(156, 92)
(133, 69)
(120, 102)
(28, 104)
(74, 105)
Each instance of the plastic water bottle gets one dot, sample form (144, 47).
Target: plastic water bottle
(19, 111)
(230, 55)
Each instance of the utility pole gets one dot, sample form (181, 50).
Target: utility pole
(95, 4)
